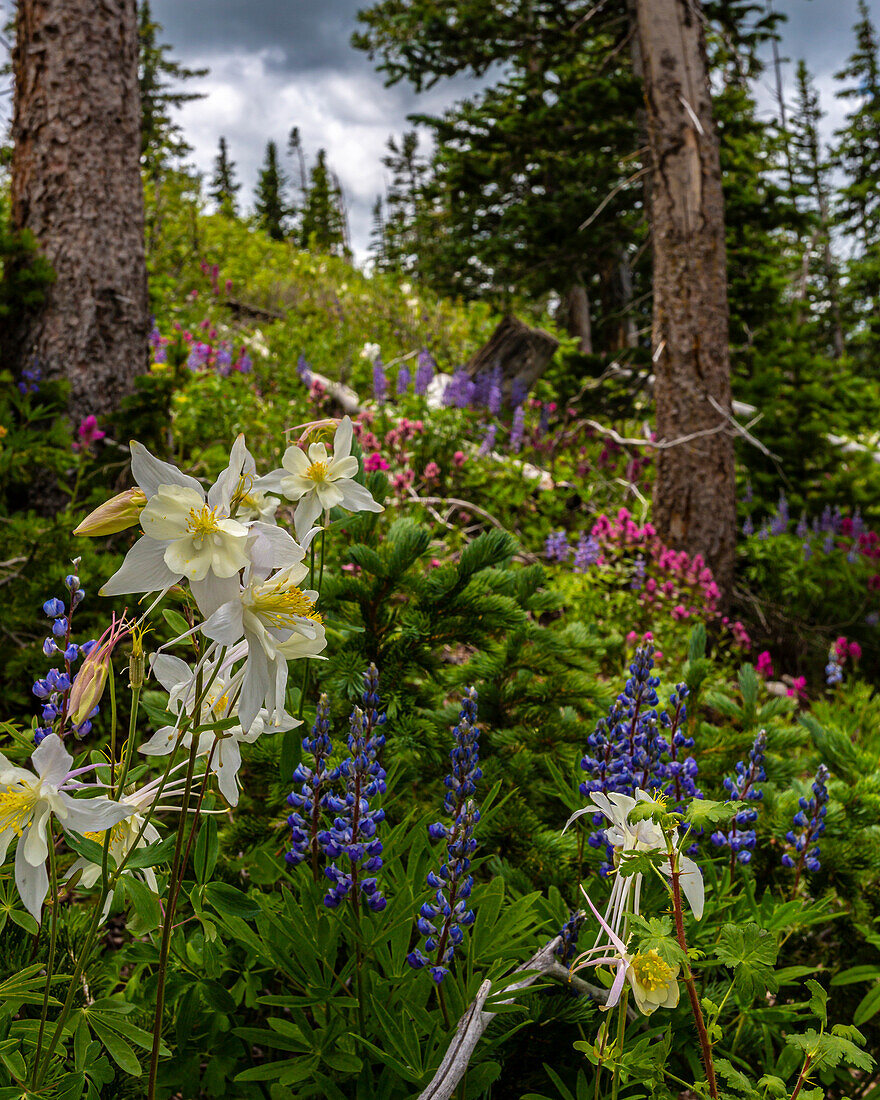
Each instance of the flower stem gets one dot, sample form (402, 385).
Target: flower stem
(53, 940)
(705, 1045)
(621, 1028)
(174, 890)
(803, 1076)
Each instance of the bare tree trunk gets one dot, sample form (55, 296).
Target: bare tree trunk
(76, 184)
(694, 496)
(578, 321)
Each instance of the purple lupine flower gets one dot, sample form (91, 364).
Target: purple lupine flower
(810, 820)
(311, 798)
(380, 382)
(54, 688)
(496, 394)
(443, 920)
(303, 372)
(459, 393)
(779, 524)
(587, 553)
(519, 391)
(353, 832)
(556, 547)
(569, 932)
(517, 429)
(488, 440)
(223, 358)
(424, 372)
(626, 746)
(637, 583)
(741, 837)
(403, 380)
(748, 527)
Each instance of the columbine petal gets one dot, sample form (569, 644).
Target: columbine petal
(51, 760)
(91, 815)
(33, 843)
(32, 883)
(163, 741)
(271, 547)
(272, 482)
(225, 765)
(240, 461)
(307, 511)
(144, 570)
(254, 686)
(357, 498)
(150, 472)
(296, 461)
(225, 625)
(691, 882)
(170, 671)
(213, 591)
(342, 438)
(165, 516)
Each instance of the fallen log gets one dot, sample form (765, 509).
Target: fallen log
(519, 352)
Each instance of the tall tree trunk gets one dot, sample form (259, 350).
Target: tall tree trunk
(694, 496)
(76, 184)
(577, 320)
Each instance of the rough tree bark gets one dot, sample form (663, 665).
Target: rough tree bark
(76, 184)
(521, 353)
(694, 496)
(577, 321)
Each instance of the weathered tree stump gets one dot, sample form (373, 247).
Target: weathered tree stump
(521, 353)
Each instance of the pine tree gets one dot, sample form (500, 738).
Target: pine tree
(158, 74)
(295, 149)
(818, 282)
(377, 251)
(224, 187)
(533, 187)
(857, 155)
(271, 205)
(323, 223)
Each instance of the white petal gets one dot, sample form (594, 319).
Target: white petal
(307, 511)
(357, 498)
(225, 624)
(223, 488)
(579, 813)
(691, 881)
(271, 483)
(144, 570)
(163, 741)
(271, 547)
(227, 761)
(254, 687)
(33, 844)
(92, 815)
(295, 460)
(342, 438)
(150, 472)
(330, 494)
(167, 514)
(32, 883)
(170, 671)
(212, 592)
(51, 760)
(345, 467)
(6, 835)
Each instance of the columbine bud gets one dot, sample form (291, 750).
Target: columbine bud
(116, 514)
(88, 687)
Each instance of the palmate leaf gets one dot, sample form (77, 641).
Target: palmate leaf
(703, 811)
(751, 952)
(831, 1048)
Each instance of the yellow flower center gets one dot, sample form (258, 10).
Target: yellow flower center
(317, 471)
(279, 605)
(651, 971)
(202, 523)
(117, 832)
(17, 807)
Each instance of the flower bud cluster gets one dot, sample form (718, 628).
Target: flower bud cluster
(743, 787)
(442, 920)
(53, 690)
(810, 821)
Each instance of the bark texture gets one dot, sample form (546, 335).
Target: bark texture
(694, 496)
(76, 184)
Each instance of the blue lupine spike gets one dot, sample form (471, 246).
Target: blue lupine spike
(810, 820)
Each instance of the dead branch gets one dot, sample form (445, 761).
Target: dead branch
(476, 1019)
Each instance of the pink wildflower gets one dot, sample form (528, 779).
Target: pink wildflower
(459, 458)
(764, 666)
(855, 651)
(798, 687)
(432, 471)
(88, 433)
(375, 462)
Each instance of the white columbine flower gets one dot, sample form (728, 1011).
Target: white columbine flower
(654, 982)
(277, 620)
(124, 836)
(225, 760)
(644, 836)
(27, 801)
(319, 481)
(193, 534)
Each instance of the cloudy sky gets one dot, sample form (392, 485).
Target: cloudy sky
(282, 63)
